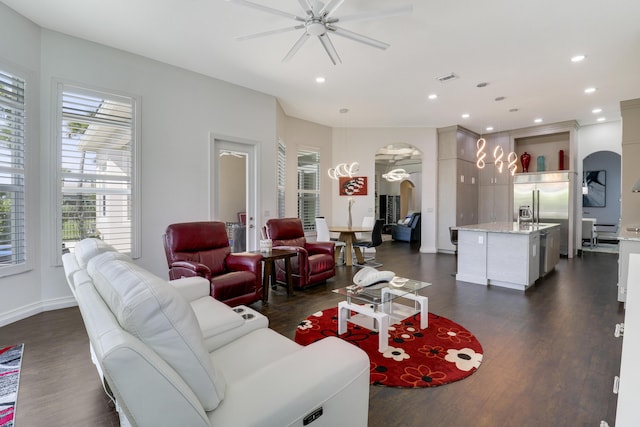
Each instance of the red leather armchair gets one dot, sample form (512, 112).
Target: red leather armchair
(202, 249)
(314, 263)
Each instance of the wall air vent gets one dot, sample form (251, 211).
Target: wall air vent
(447, 77)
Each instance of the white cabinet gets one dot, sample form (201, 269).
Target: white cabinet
(513, 259)
(628, 397)
(629, 244)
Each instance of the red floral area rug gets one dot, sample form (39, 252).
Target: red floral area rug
(443, 353)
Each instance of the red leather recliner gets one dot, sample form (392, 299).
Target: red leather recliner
(314, 263)
(202, 249)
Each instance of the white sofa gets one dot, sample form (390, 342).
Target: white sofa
(171, 355)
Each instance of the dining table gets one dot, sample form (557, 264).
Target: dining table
(348, 236)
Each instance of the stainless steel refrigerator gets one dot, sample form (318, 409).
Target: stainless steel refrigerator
(548, 194)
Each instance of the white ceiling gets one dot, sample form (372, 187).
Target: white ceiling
(522, 49)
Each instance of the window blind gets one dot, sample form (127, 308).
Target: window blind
(308, 188)
(96, 161)
(12, 170)
(281, 178)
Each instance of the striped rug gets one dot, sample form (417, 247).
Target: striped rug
(10, 363)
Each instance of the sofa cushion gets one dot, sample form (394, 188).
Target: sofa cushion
(86, 249)
(154, 312)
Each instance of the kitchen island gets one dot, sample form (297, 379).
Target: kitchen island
(507, 254)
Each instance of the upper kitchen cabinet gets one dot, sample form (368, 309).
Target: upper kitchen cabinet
(494, 180)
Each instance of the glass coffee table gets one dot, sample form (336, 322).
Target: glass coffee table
(378, 306)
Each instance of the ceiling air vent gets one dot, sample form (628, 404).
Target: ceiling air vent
(447, 77)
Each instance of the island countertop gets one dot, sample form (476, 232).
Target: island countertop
(629, 235)
(508, 227)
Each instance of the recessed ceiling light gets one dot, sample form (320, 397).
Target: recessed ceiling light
(538, 120)
(513, 110)
(489, 128)
(433, 96)
(482, 84)
(465, 116)
(601, 119)
(320, 79)
(343, 110)
(590, 90)
(596, 110)
(578, 58)
(500, 98)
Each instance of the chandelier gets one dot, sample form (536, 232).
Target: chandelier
(344, 170)
(396, 175)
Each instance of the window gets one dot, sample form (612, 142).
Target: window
(97, 168)
(308, 188)
(282, 161)
(12, 172)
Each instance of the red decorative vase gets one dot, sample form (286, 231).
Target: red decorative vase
(525, 159)
(561, 160)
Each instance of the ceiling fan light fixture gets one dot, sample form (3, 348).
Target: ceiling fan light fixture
(315, 28)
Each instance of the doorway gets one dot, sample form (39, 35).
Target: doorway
(233, 178)
(398, 166)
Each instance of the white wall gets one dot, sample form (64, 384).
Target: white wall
(361, 145)
(20, 294)
(179, 111)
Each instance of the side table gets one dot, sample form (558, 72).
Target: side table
(269, 272)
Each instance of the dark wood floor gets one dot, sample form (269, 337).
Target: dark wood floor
(549, 353)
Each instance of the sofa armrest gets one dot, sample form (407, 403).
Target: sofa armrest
(330, 373)
(192, 288)
(321, 247)
(189, 269)
(244, 262)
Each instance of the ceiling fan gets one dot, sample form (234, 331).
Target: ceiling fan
(319, 21)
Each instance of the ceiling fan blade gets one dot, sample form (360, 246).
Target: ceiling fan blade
(296, 47)
(373, 15)
(307, 6)
(267, 9)
(268, 33)
(331, 51)
(330, 7)
(357, 37)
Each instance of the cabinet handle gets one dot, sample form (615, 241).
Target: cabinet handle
(619, 331)
(616, 384)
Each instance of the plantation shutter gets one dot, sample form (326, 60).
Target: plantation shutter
(281, 178)
(97, 161)
(308, 188)
(12, 170)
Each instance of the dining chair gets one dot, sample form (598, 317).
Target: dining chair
(323, 235)
(376, 240)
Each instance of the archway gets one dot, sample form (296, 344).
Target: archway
(398, 176)
(601, 189)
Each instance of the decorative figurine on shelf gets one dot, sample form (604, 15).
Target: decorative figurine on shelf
(561, 159)
(525, 159)
(540, 161)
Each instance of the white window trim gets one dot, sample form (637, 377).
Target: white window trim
(56, 222)
(30, 219)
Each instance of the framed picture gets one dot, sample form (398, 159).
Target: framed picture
(356, 186)
(594, 189)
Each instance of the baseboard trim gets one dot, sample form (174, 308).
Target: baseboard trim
(36, 308)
